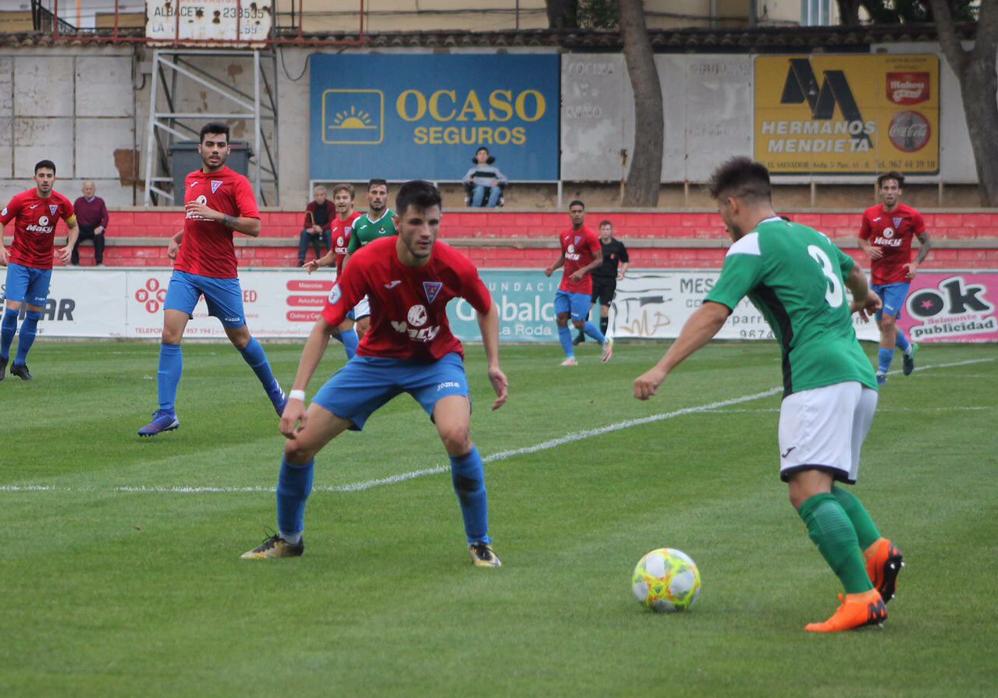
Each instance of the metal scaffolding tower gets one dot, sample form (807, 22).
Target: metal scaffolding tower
(175, 70)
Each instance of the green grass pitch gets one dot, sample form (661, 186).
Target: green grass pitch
(121, 573)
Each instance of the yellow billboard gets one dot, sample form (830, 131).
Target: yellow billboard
(847, 114)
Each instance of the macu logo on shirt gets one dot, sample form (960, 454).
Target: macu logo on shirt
(425, 335)
(888, 239)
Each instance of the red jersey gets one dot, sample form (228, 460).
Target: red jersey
(891, 232)
(34, 227)
(341, 230)
(408, 304)
(580, 248)
(207, 248)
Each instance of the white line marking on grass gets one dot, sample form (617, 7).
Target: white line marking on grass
(436, 470)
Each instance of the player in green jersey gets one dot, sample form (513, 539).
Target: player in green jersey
(797, 279)
(379, 222)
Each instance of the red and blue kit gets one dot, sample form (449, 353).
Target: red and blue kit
(34, 226)
(891, 232)
(408, 304)
(580, 248)
(342, 229)
(207, 248)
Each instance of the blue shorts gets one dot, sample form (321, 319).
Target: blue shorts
(577, 304)
(223, 296)
(367, 383)
(893, 296)
(27, 284)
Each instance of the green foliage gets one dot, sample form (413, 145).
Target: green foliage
(599, 14)
(115, 592)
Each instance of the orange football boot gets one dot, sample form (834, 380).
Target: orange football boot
(883, 564)
(856, 611)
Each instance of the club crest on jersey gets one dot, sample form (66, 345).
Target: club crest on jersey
(53, 208)
(335, 294)
(431, 289)
(897, 222)
(215, 184)
(417, 316)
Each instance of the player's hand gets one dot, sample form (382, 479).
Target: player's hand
(549, 271)
(912, 270)
(501, 385)
(316, 230)
(99, 230)
(311, 265)
(172, 248)
(196, 209)
(577, 276)
(64, 253)
(647, 383)
(294, 418)
(876, 253)
(620, 276)
(869, 307)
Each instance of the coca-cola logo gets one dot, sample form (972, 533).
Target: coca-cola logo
(909, 131)
(152, 295)
(907, 88)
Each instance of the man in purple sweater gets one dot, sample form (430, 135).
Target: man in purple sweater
(91, 214)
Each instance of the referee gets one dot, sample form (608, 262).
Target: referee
(605, 276)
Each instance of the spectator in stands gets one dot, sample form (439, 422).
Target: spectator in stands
(91, 215)
(318, 217)
(484, 181)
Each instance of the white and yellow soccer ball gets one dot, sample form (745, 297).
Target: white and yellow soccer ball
(666, 580)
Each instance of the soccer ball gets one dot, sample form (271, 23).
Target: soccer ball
(666, 580)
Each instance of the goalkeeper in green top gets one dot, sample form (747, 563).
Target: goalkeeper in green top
(379, 222)
(797, 279)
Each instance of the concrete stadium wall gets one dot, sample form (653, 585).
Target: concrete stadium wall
(137, 237)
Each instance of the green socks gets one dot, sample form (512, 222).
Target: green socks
(829, 527)
(866, 530)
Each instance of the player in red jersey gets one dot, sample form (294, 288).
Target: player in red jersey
(29, 261)
(581, 252)
(342, 230)
(409, 349)
(885, 235)
(217, 201)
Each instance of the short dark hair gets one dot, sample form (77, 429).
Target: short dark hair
(376, 182)
(893, 174)
(740, 177)
(605, 222)
(44, 165)
(214, 127)
(343, 186)
(576, 202)
(418, 193)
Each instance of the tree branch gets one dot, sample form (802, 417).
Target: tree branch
(986, 41)
(948, 40)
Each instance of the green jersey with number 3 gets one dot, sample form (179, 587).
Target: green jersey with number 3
(795, 276)
(365, 230)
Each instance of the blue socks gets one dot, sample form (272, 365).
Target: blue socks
(7, 330)
(884, 357)
(591, 330)
(256, 357)
(468, 475)
(350, 342)
(294, 484)
(29, 329)
(171, 365)
(901, 342)
(565, 337)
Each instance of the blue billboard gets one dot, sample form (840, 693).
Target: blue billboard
(423, 116)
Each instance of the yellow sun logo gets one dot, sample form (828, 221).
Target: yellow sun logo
(353, 119)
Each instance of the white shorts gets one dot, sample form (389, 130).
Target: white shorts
(823, 429)
(362, 309)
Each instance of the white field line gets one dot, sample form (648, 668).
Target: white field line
(436, 470)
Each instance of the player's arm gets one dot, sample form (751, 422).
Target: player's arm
(864, 301)
(173, 246)
(597, 260)
(8, 214)
(488, 324)
(311, 355)
(326, 260)
(625, 261)
(703, 324)
(863, 239)
(3, 249)
(559, 263)
(74, 233)
(923, 252)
